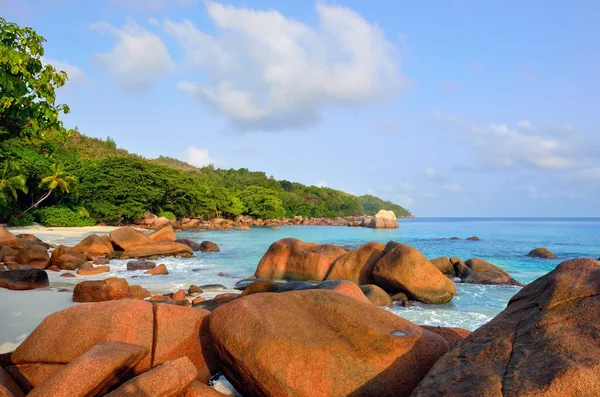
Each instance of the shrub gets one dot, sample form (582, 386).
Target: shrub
(62, 216)
(26, 220)
(167, 214)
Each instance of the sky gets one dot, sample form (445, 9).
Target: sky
(447, 107)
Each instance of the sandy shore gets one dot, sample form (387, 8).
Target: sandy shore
(61, 235)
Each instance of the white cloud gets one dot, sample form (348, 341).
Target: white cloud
(152, 5)
(74, 73)
(265, 71)
(198, 157)
(138, 59)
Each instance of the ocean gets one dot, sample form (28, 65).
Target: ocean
(503, 242)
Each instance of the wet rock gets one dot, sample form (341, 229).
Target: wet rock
(140, 265)
(86, 266)
(474, 238)
(545, 343)
(159, 270)
(482, 272)
(376, 295)
(335, 346)
(98, 370)
(208, 246)
(24, 279)
(402, 268)
(213, 287)
(197, 389)
(293, 259)
(112, 288)
(357, 265)
(543, 253)
(401, 299)
(192, 244)
(35, 256)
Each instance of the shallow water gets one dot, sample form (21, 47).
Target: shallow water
(504, 242)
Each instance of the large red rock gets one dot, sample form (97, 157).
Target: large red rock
(402, 268)
(35, 256)
(71, 261)
(126, 237)
(163, 234)
(94, 245)
(291, 258)
(197, 389)
(168, 331)
(112, 288)
(376, 295)
(452, 335)
(320, 343)
(545, 343)
(161, 248)
(170, 379)
(342, 286)
(7, 252)
(24, 279)
(357, 265)
(8, 239)
(8, 387)
(444, 265)
(479, 271)
(95, 372)
(28, 376)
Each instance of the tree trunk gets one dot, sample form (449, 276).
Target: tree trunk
(44, 197)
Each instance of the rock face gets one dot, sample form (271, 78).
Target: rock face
(543, 253)
(208, 246)
(159, 270)
(482, 272)
(140, 265)
(296, 260)
(402, 268)
(356, 265)
(342, 286)
(163, 234)
(8, 387)
(93, 271)
(383, 220)
(94, 245)
(169, 332)
(444, 265)
(545, 343)
(452, 335)
(96, 371)
(109, 289)
(24, 279)
(328, 344)
(35, 256)
(8, 239)
(376, 295)
(161, 248)
(192, 244)
(127, 237)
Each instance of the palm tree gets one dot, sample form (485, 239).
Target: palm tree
(11, 181)
(58, 179)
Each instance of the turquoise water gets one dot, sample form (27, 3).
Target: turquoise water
(504, 242)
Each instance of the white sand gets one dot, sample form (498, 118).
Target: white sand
(62, 235)
(22, 311)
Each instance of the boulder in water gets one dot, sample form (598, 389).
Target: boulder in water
(543, 253)
(357, 265)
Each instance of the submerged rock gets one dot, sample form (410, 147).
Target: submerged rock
(327, 344)
(208, 246)
(192, 244)
(293, 259)
(479, 271)
(545, 343)
(140, 265)
(544, 253)
(402, 268)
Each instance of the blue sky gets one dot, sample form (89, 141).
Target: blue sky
(448, 107)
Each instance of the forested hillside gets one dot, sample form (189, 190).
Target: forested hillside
(61, 177)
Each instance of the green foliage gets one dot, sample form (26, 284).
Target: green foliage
(167, 214)
(262, 203)
(19, 221)
(27, 86)
(11, 181)
(62, 216)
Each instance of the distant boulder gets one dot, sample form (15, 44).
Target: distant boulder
(384, 220)
(543, 253)
(474, 238)
(481, 272)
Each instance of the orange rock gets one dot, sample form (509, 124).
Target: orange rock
(159, 270)
(160, 298)
(68, 262)
(545, 343)
(178, 295)
(357, 265)
(94, 245)
(86, 266)
(444, 265)
(35, 256)
(8, 387)
(28, 376)
(127, 237)
(376, 295)
(342, 286)
(402, 268)
(293, 259)
(327, 344)
(170, 379)
(112, 288)
(68, 275)
(179, 332)
(53, 268)
(194, 289)
(198, 300)
(161, 248)
(95, 372)
(452, 335)
(208, 246)
(8, 239)
(163, 234)
(242, 227)
(479, 271)
(101, 261)
(198, 389)
(140, 265)
(137, 292)
(93, 271)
